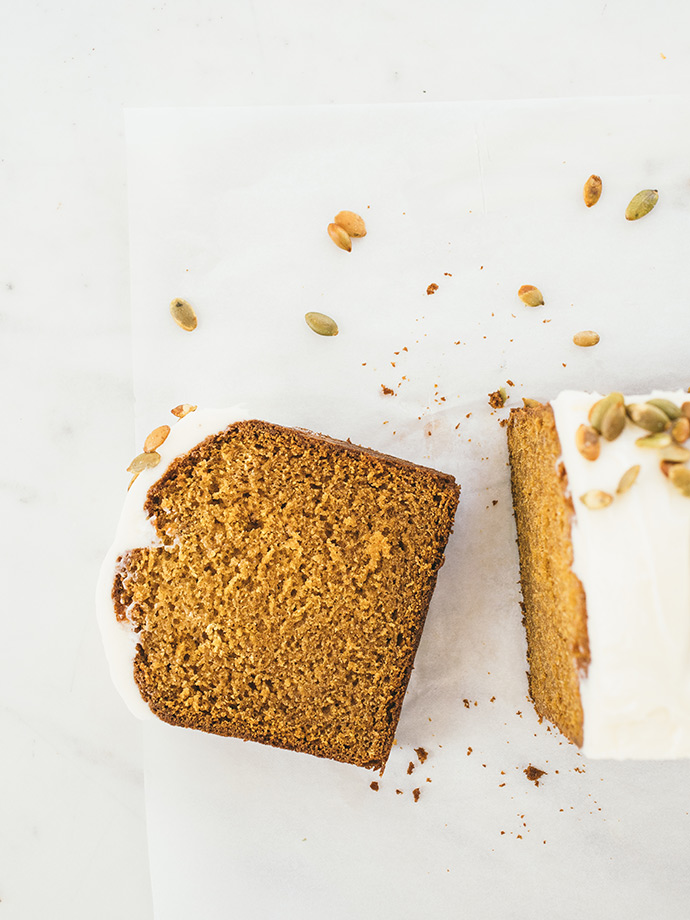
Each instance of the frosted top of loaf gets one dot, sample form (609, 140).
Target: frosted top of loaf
(633, 559)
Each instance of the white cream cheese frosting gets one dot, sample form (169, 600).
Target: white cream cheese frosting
(633, 559)
(136, 530)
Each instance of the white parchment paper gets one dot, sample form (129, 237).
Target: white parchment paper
(228, 209)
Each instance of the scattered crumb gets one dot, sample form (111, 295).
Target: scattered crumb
(374, 786)
(466, 704)
(428, 779)
(494, 502)
(398, 792)
(503, 422)
(448, 274)
(497, 399)
(416, 793)
(421, 753)
(432, 289)
(387, 390)
(534, 774)
(410, 767)
(469, 751)
(510, 383)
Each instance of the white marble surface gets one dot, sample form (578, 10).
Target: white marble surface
(73, 837)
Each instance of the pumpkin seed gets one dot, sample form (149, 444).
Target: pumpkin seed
(651, 418)
(182, 410)
(351, 223)
(613, 422)
(145, 461)
(670, 408)
(685, 409)
(592, 190)
(340, 237)
(627, 479)
(601, 407)
(587, 442)
(674, 453)
(680, 429)
(586, 338)
(531, 295)
(531, 403)
(659, 439)
(321, 324)
(156, 438)
(183, 314)
(641, 204)
(596, 499)
(680, 477)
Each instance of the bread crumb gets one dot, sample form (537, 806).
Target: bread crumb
(410, 767)
(534, 774)
(421, 753)
(374, 786)
(497, 399)
(432, 289)
(387, 390)
(416, 793)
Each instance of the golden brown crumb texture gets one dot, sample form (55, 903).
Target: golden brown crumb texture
(286, 602)
(553, 598)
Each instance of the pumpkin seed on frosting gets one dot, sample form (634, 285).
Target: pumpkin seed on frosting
(670, 408)
(627, 479)
(680, 477)
(587, 442)
(680, 429)
(145, 461)
(595, 499)
(647, 416)
(156, 438)
(602, 406)
(656, 440)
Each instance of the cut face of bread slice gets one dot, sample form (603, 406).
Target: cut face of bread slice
(603, 528)
(286, 597)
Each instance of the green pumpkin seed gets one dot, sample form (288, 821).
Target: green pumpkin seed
(601, 407)
(534, 403)
(628, 478)
(321, 324)
(651, 418)
(670, 408)
(641, 204)
(660, 439)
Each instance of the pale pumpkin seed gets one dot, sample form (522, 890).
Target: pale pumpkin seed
(183, 314)
(321, 324)
(592, 190)
(685, 409)
(531, 295)
(586, 338)
(182, 410)
(627, 479)
(680, 429)
(680, 477)
(596, 499)
(145, 461)
(601, 407)
(531, 403)
(674, 453)
(351, 223)
(156, 438)
(659, 439)
(641, 204)
(587, 442)
(340, 237)
(651, 418)
(670, 408)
